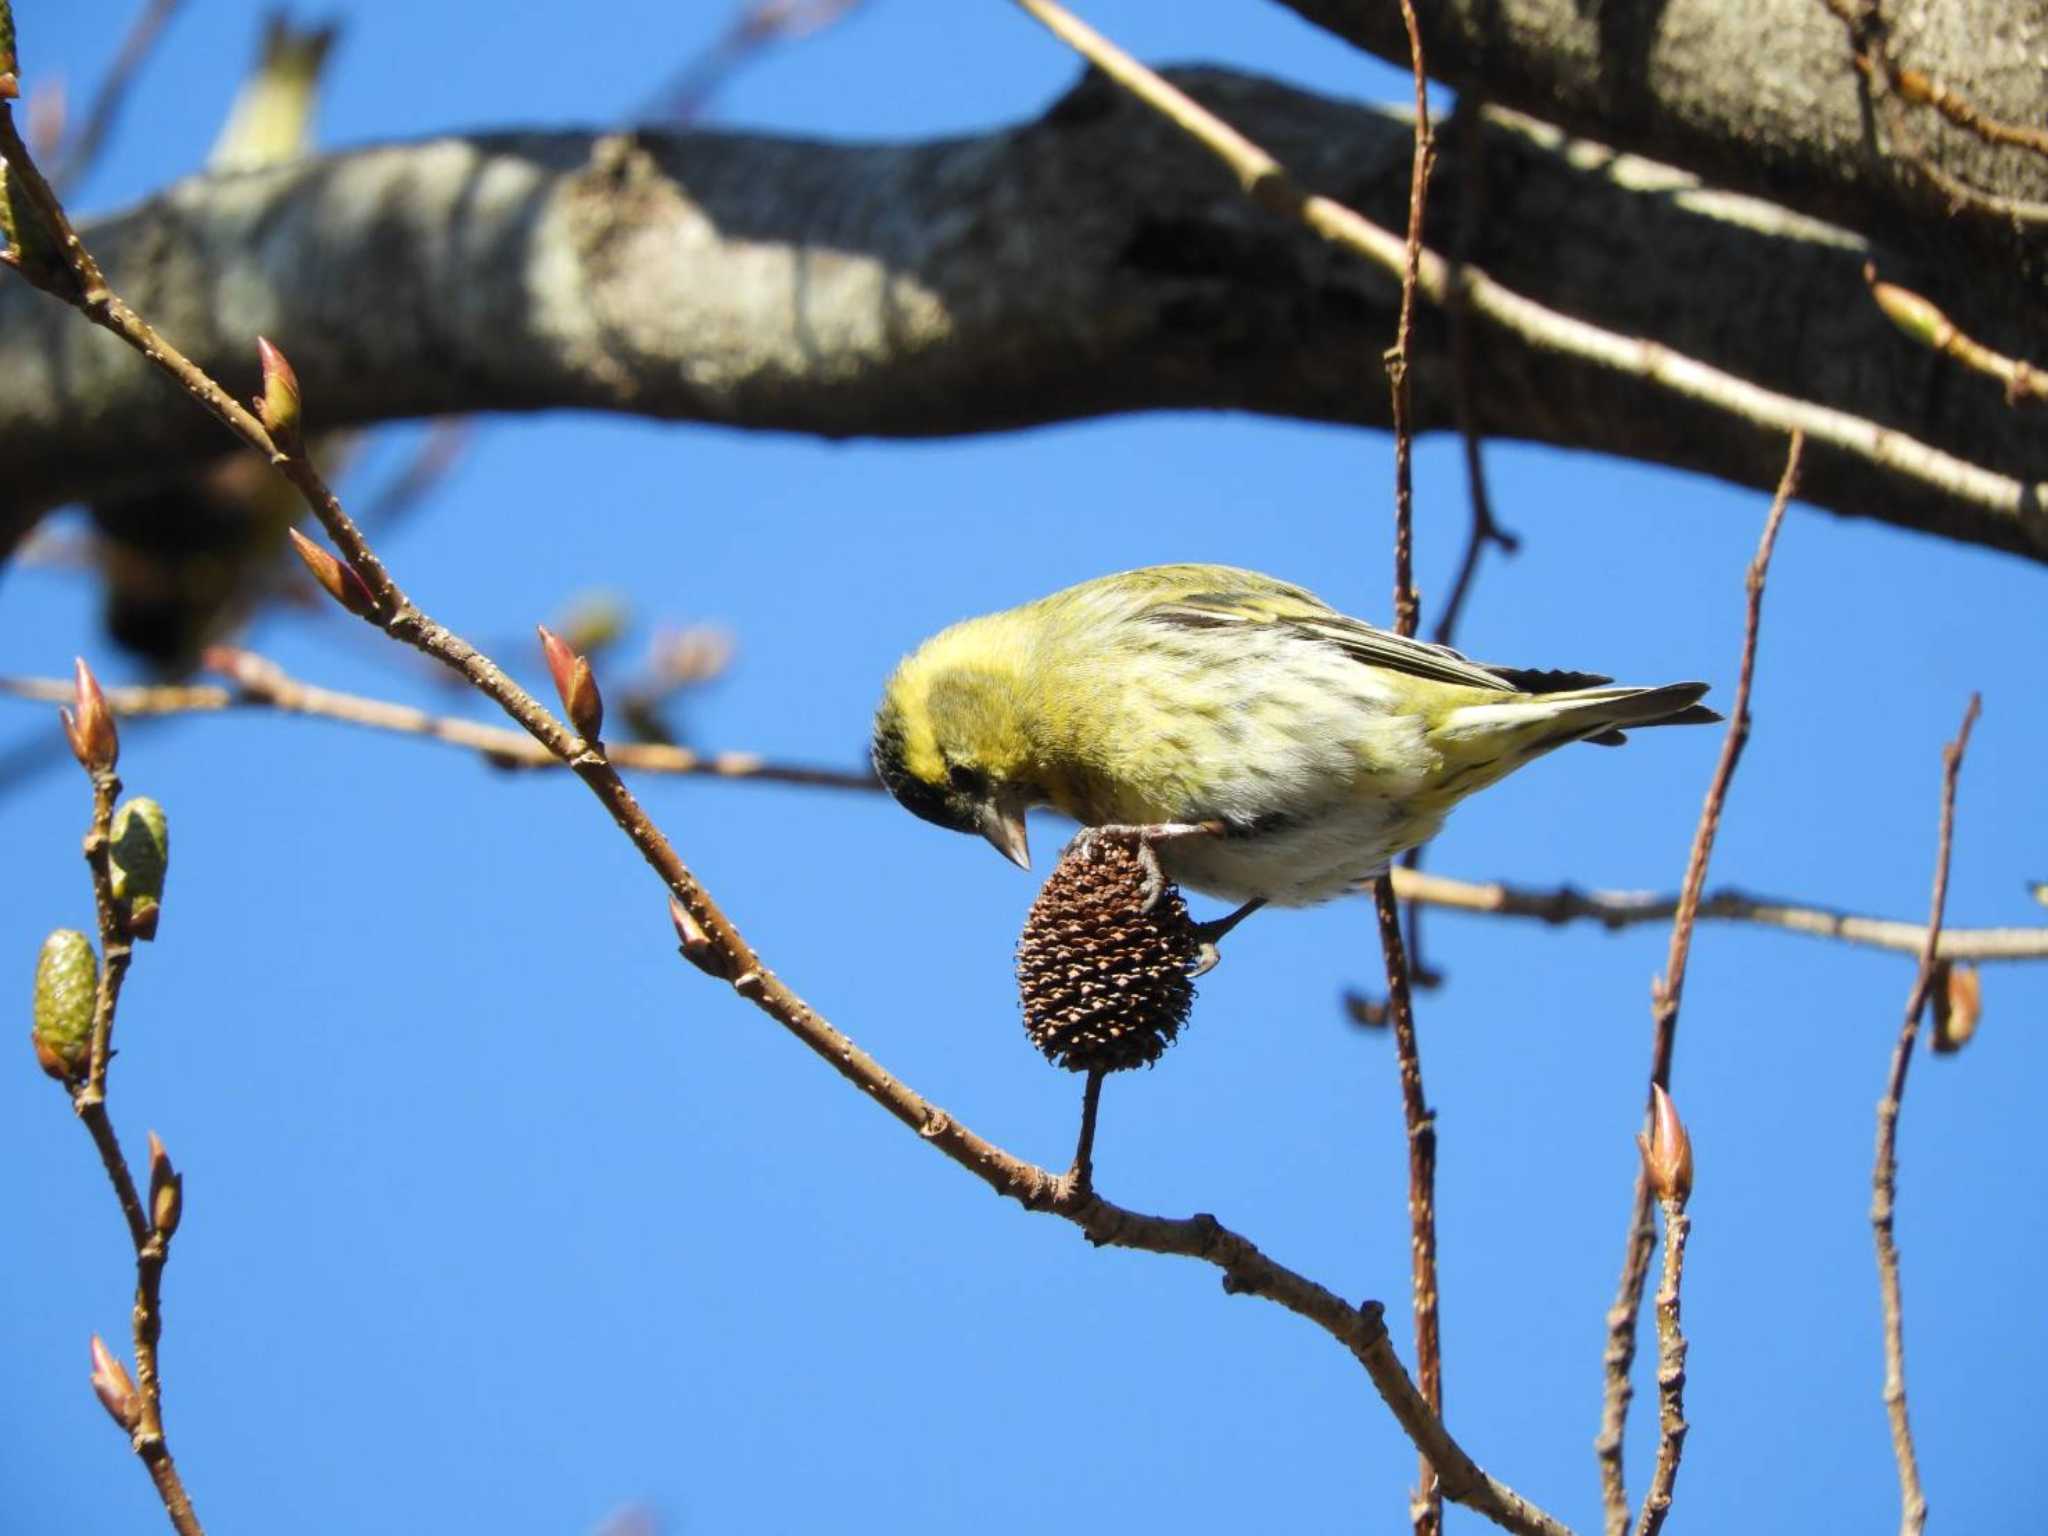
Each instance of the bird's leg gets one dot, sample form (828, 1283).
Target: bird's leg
(1145, 840)
(1208, 935)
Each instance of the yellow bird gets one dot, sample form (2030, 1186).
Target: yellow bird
(1257, 744)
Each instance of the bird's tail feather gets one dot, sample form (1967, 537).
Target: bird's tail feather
(1610, 711)
(1535, 723)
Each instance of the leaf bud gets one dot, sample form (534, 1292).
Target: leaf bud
(138, 856)
(166, 1189)
(89, 722)
(35, 247)
(1667, 1150)
(695, 945)
(577, 688)
(278, 405)
(116, 1389)
(337, 579)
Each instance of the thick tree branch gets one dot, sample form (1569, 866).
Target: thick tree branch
(1761, 96)
(1085, 263)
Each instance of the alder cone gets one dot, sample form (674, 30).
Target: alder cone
(1104, 983)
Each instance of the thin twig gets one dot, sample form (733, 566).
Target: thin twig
(1870, 40)
(1884, 1177)
(89, 1100)
(1620, 1352)
(1426, 1508)
(81, 149)
(1891, 90)
(1625, 909)
(1407, 607)
(1484, 531)
(1732, 743)
(721, 951)
(1925, 323)
(1266, 181)
(754, 27)
(262, 684)
(1670, 1371)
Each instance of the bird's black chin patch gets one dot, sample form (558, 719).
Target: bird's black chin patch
(928, 802)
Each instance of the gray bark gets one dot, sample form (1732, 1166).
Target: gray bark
(1757, 95)
(1091, 261)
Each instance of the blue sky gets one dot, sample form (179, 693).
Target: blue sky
(500, 1218)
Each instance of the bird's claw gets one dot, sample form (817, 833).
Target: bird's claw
(1209, 934)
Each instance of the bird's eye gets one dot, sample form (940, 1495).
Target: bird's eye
(965, 779)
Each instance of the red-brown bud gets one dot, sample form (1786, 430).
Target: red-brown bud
(1958, 1004)
(1667, 1150)
(166, 1188)
(116, 1389)
(278, 405)
(89, 723)
(581, 701)
(695, 945)
(337, 579)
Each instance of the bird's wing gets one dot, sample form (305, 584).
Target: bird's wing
(1552, 680)
(1291, 608)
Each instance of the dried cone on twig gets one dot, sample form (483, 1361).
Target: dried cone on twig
(1104, 983)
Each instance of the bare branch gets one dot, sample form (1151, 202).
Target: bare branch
(1922, 320)
(1626, 909)
(150, 1227)
(1665, 994)
(1407, 606)
(1884, 1177)
(1426, 1508)
(1870, 36)
(1671, 1351)
(1484, 530)
(262, 684)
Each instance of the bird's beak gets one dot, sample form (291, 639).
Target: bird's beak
(1002, 823)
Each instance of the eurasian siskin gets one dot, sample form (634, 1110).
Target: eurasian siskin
(1265, 746)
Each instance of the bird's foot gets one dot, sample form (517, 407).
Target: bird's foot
(1145, 841)
(1208, 935)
